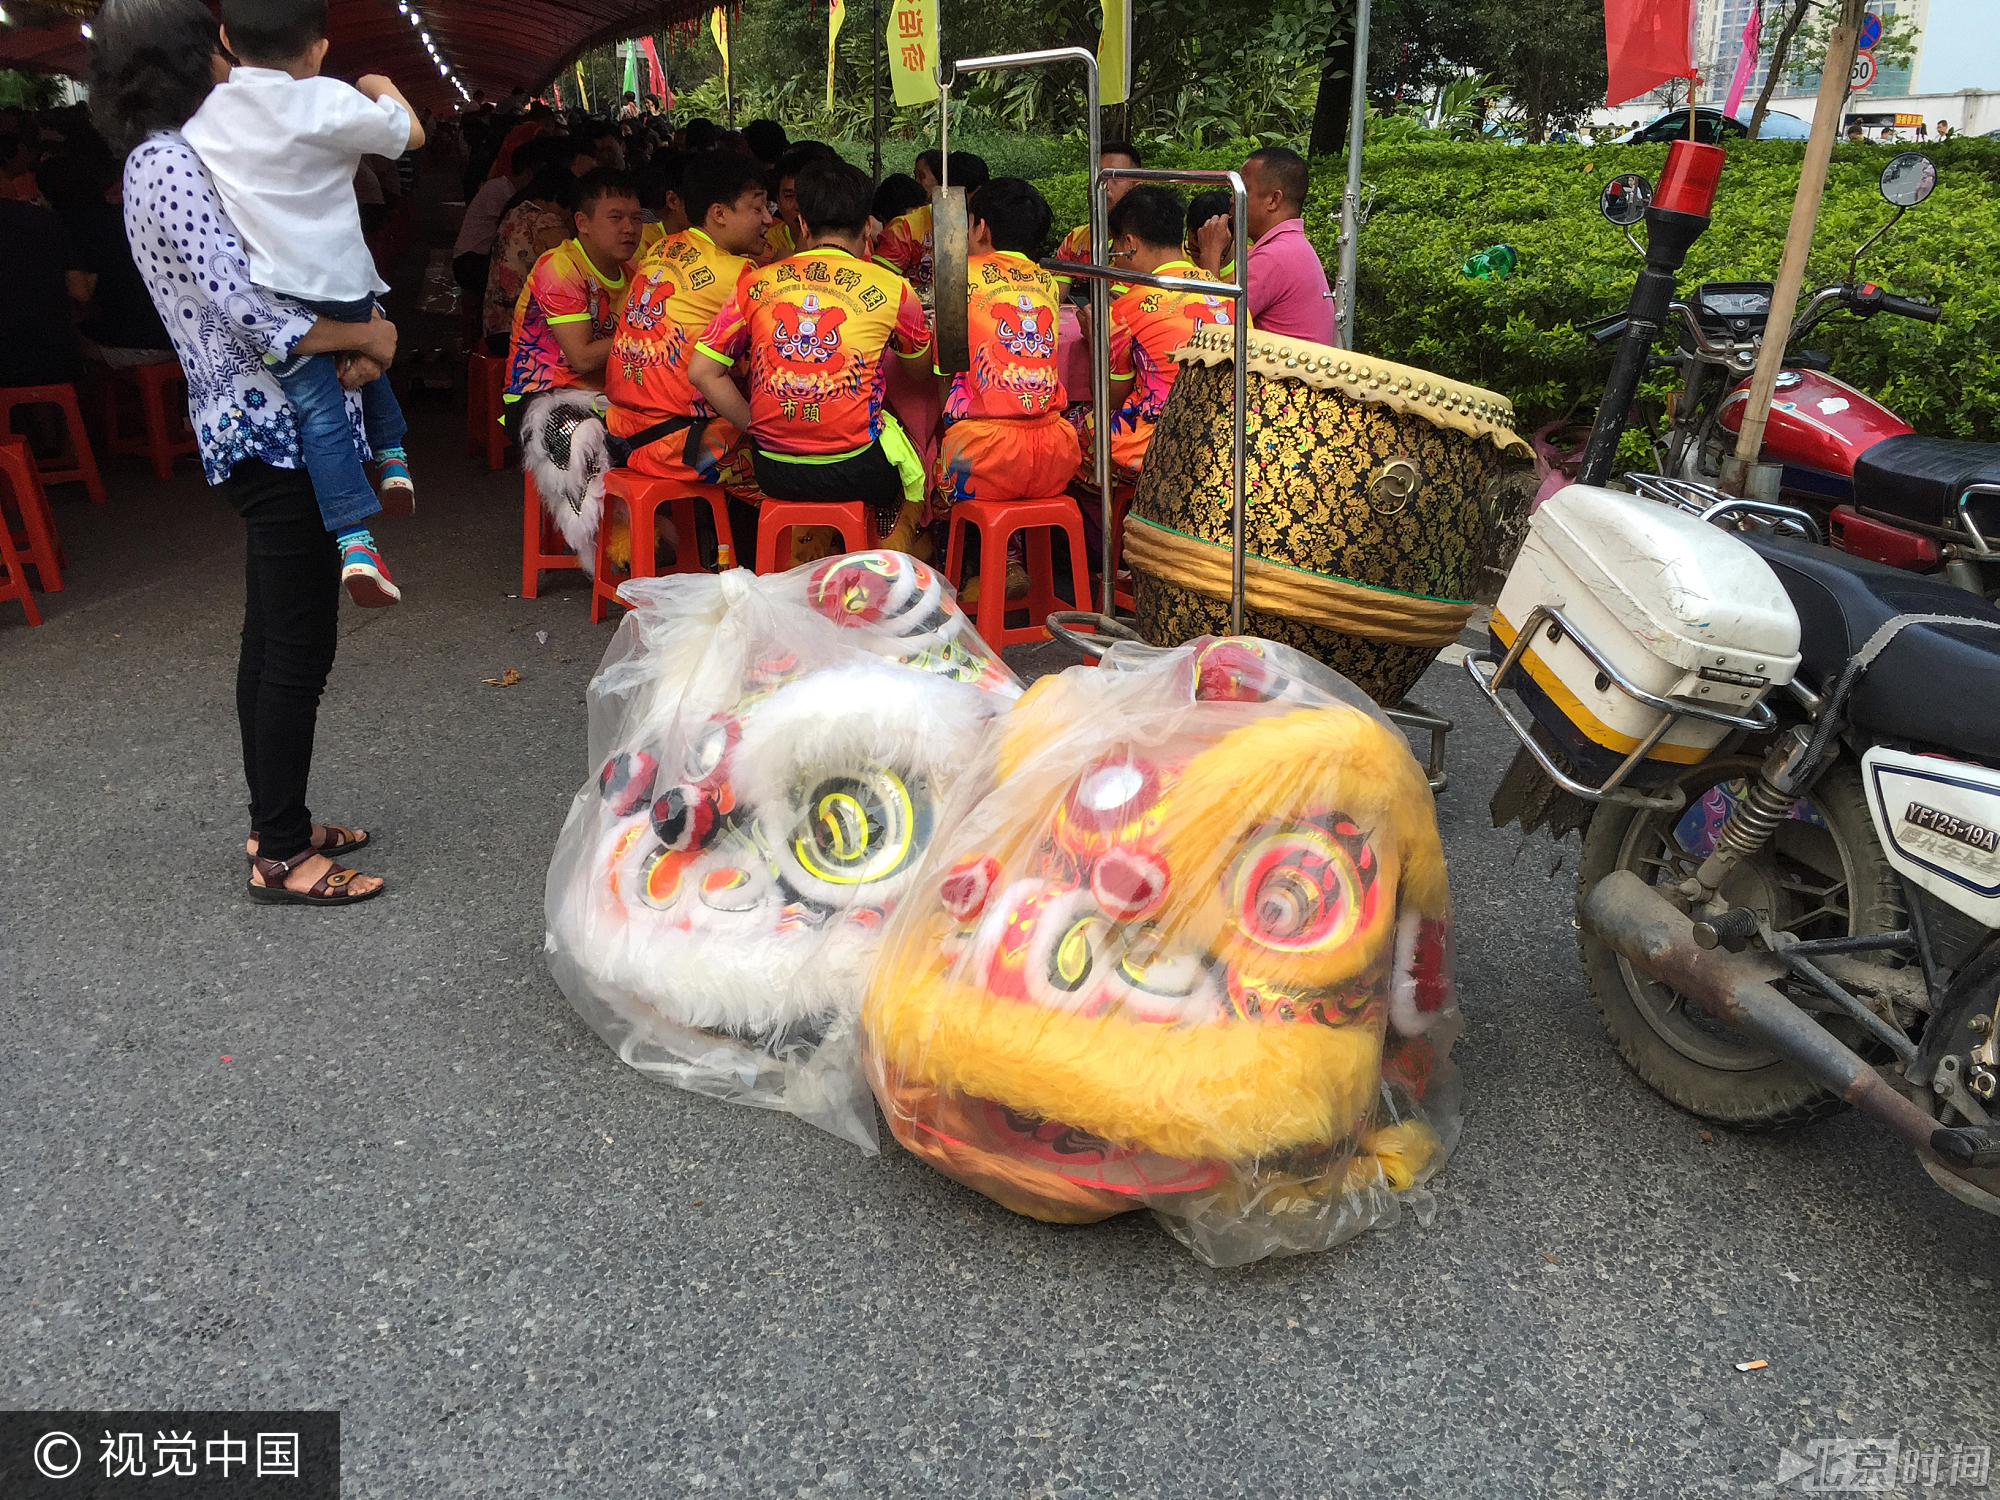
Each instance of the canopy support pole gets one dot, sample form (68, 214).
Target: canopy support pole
(728, 80)
(875, 82)
(1350, 200)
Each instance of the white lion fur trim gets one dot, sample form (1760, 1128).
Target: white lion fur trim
(1403, 1012)
(719, 981)
(864, 712)
(573, 496)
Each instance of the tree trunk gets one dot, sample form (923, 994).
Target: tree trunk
(1779, 48)
(1335, 101)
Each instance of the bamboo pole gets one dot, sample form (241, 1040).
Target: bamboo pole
(1827, 111)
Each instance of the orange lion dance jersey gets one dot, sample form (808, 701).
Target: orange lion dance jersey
(1012, 310)
(907, 245)
(676, 293)
(817, 328)
(1005, 434)
(1147, 326)
(564, 287)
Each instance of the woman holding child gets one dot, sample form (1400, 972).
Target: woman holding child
(153, 64)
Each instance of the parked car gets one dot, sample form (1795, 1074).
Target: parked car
(1712, 126)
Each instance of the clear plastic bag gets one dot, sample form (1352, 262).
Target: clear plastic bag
(1183, 943)
(769, 758)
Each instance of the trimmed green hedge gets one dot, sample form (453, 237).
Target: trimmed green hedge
(1437, 203)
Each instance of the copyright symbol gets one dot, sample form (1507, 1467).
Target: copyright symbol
(50, 1458)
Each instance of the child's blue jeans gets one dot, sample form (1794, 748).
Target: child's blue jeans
(326, 442)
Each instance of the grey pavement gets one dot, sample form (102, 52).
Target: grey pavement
(371, 1160)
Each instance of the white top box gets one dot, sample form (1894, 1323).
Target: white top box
(1692, 592)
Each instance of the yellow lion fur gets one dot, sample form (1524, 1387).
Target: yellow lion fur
(1233, 1090)
(1292, 765)
(1274, 766)
(1037, 717)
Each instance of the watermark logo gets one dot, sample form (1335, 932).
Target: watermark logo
(58, 1455)
(179, 1455)
(1860, 1466)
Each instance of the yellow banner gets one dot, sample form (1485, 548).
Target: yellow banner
(718, 27)
(912, 47)
(1111, 60)
(581, 92)
(836, 13)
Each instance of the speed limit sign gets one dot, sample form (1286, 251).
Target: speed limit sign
(1864, 72)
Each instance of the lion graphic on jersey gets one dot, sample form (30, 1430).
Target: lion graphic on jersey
(1033, 333)
(808, 334)
(644, 311)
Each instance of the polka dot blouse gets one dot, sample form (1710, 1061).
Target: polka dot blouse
(226, 331)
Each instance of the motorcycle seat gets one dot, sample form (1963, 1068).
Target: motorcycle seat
(1921, 478)
(1938, 685)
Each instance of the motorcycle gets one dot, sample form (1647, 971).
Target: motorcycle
(1784, 762)
(1886, 494)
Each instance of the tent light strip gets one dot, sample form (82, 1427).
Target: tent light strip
(416, 19)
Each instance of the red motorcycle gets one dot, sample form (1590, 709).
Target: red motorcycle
(1888, 495)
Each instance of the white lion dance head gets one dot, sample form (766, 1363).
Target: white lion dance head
(771, 755)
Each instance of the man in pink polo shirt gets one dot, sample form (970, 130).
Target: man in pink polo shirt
(1288, 291)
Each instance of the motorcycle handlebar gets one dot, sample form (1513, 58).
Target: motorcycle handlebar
(1864, 300)
(1907, 307)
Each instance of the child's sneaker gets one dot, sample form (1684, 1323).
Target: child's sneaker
(365, 574)
(393, 487)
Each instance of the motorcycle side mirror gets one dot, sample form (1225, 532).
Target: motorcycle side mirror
(1627, 196)
(1908, 179)
(1906, 182)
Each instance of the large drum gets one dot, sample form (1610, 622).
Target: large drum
(1365, 505)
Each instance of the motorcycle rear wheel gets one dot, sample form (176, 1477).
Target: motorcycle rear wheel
(1823, 875)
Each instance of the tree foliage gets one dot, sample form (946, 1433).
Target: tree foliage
(1204, 72)
(1435, 203)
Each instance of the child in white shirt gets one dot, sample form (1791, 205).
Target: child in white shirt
(283, 145)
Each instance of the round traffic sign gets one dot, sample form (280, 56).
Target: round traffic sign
(1864, 71)
(1871, 31)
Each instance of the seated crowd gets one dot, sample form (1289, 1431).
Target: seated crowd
(75, 295)
(751, 308)
(77, 300)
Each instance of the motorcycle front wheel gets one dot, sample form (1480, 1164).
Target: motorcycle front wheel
(1822, 874)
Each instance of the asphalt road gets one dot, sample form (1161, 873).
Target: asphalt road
(371, 1160)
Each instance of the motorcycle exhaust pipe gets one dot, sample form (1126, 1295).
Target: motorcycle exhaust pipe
(1636, 922)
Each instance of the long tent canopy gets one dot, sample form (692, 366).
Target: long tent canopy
(495, 45)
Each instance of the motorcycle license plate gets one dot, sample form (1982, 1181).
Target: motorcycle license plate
(1939, 821)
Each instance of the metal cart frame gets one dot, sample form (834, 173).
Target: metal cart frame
(1103, 626)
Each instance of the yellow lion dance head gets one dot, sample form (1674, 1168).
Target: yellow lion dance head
(1187, 947)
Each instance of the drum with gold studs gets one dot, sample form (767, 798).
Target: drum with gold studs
(1364, 515)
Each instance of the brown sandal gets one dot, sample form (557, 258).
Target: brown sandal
(339, 840)
(331, 889)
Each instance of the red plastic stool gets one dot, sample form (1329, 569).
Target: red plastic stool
(641, 496)
(162, 444)
(14, 583)
(35, 538)
(485, 385)
(997, 521)
(82, 466)
(853, 519)
(542, 545)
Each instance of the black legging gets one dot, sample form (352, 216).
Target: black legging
(291, 613)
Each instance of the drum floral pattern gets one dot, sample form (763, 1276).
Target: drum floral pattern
(1313, 458)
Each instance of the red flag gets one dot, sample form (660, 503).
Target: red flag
(659, 76)
(1746, 60)
(1646, 42)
